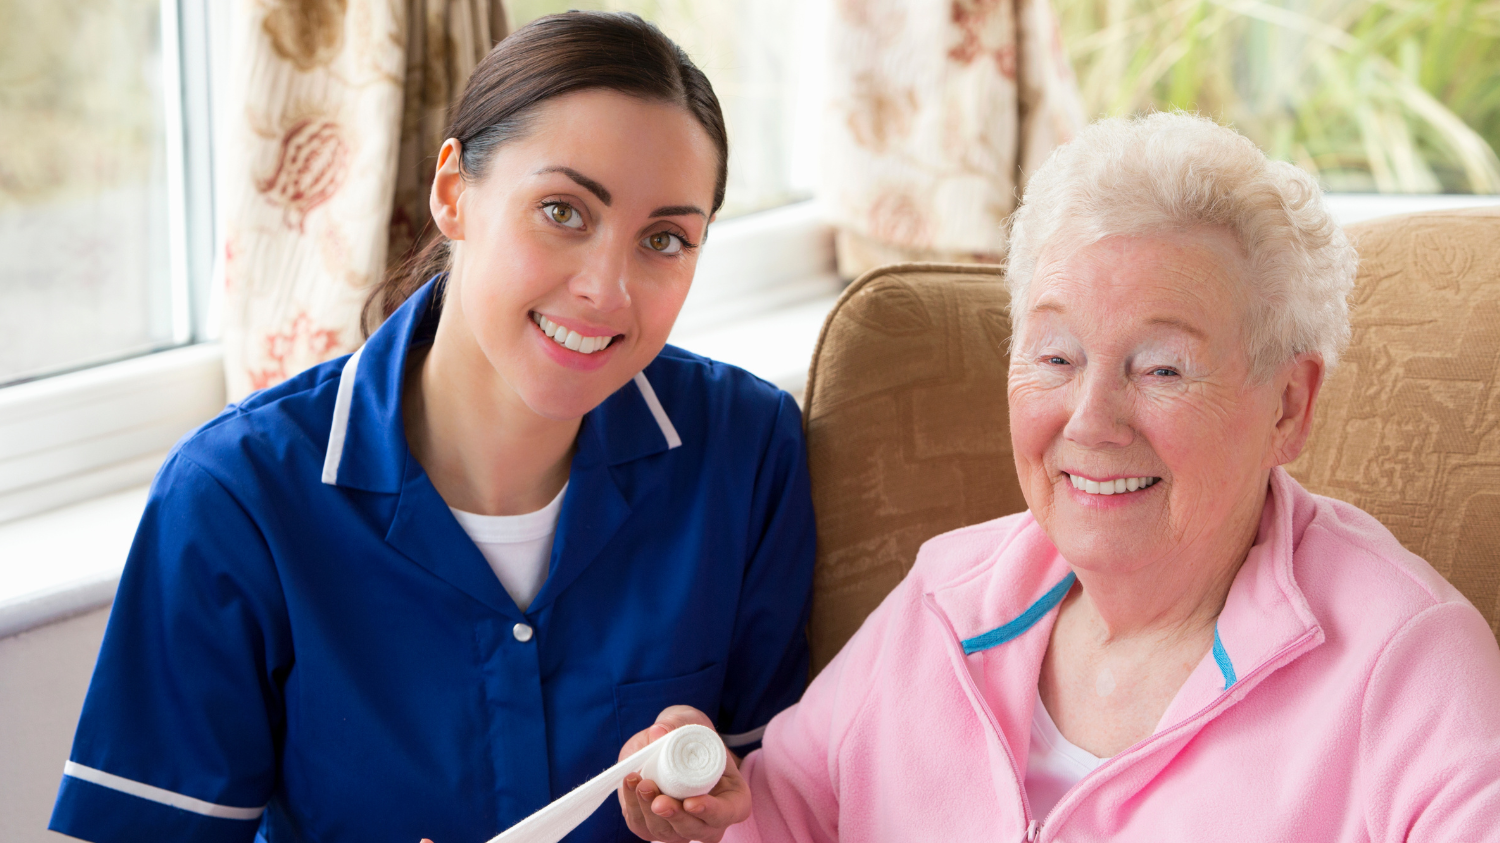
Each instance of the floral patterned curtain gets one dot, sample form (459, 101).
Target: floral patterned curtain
(338, 109)
(940, 109)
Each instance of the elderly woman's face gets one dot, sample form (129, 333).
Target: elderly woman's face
(1130, 375)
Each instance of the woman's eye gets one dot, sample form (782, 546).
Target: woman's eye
(564, 214)
(1164, 372)
(1054, 360)
(664, 242)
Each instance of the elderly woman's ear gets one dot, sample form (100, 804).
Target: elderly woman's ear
(1298, 381)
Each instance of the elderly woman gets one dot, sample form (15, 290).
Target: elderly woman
(1176, 641)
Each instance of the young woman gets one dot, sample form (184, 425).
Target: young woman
(425, 589)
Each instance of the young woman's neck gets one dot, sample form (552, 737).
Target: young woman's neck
(483, 448)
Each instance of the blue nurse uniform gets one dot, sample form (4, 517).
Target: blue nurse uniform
(306, 644)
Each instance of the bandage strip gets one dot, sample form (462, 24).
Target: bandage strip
(688, 761)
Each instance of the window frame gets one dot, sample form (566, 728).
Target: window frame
(74, 435)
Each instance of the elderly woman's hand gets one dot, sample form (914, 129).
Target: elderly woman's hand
(653, 815)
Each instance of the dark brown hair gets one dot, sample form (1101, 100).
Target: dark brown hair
(547, 58)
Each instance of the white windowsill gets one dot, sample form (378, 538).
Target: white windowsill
(65, 562)
(763, 289)
(1349, 208)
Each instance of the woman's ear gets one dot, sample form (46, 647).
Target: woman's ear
(1299, 380)
(447, 187)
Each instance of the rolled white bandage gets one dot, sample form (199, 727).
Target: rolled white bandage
(689, 761)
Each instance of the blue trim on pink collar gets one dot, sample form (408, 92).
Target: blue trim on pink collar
(1221, 656)
(1027, 619)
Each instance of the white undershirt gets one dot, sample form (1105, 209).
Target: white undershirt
(1053, 764)
(518, 547)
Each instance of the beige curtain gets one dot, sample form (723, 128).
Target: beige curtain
(940, 109)
(338, 107)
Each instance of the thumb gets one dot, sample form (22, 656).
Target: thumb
(677, 716)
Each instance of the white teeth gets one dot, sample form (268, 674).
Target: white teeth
(571, 340)
(1118, 486)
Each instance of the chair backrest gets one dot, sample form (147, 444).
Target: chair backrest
(1408, 426)
(908, 433)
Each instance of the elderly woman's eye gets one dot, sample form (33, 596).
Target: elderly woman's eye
(1164, 372)
(1054, 360)
(664, 242)
(563, 214)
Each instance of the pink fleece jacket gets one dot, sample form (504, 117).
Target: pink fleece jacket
(1351, 694)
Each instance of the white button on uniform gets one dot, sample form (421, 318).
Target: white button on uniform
(522, 632)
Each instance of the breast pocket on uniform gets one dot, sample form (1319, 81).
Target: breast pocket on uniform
(638, 703)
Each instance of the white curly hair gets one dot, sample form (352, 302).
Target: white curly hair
(1174, 171)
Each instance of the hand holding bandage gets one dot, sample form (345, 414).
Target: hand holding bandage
(653, 815)
(680, 760)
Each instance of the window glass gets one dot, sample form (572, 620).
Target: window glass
(84, 272)
(1389, 96)
(756, 54)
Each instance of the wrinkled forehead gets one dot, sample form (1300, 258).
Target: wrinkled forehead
(1192, 281)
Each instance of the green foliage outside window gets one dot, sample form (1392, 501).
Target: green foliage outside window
(79, 98)
(1391, 96)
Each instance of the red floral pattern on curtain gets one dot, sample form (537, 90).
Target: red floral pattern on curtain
(333, 101)
(940, 108)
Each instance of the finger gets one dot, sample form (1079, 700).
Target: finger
(731, 777)
(705, 817)
(636, 743)
(728, 803)
(645, 737)
(658, 809)
(720, 809)
(632, 808)
(677, 716)
(684, 823)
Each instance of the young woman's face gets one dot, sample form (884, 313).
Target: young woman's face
(585, 230)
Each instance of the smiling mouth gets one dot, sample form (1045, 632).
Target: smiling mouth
(1118, 486)
(571, 340)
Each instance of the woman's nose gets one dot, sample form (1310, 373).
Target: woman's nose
(1099, 418)
(604, 279)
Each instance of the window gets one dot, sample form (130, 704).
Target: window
(1373, 96)
(106, 241)
(91, 216)
(763, 58)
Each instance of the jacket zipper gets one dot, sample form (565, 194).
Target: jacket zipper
(1033, 825)
(1033, 828)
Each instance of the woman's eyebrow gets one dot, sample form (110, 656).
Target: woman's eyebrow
(1181, 325)
(678, 210)
(584, 181)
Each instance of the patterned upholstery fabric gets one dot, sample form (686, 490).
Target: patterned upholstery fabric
(908, 434)
(1408, 426)
(907, 431)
